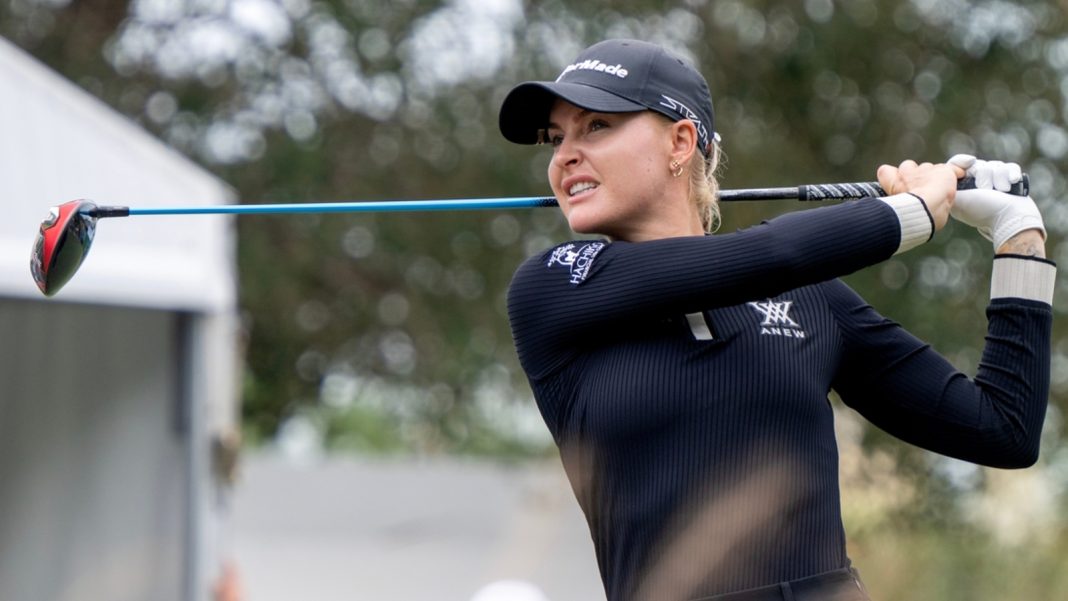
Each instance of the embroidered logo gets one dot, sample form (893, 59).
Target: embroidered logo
(777, 320)
(578, 260)
(595, 65)
(686, 113)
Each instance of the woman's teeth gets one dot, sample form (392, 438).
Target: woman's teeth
(581, 187)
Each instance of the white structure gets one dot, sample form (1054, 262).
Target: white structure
(112, 392)
(435, 529)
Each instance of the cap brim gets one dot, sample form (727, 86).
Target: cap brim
(526, 108)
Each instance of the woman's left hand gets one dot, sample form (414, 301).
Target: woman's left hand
(936, 184)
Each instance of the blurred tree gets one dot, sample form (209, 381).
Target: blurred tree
(387, 332)
(402, 316)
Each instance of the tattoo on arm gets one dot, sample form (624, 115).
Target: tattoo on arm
(1028, 244)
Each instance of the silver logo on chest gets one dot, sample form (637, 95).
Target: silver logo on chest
(777, 320)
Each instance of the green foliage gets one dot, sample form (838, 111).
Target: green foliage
(935, 564)
(362, 99)
(388, 333)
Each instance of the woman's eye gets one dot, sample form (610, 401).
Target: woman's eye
(597, 124)
(555, 139)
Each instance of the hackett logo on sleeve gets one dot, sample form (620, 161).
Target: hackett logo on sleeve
(577, 260)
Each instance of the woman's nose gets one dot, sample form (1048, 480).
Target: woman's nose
(566, 153)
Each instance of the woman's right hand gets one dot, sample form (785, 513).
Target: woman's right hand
(998, 215)
(936, 184)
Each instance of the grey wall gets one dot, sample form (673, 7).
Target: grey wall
(347, 528)
(92, 497)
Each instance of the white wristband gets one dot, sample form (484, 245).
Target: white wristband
(1016, 276)
(917, 226)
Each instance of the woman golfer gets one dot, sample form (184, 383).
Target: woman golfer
(685, 376)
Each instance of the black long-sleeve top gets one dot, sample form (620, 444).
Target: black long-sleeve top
(686, 383)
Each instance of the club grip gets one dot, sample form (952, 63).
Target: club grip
(1020, 188)
(818, 192)
(853, 191)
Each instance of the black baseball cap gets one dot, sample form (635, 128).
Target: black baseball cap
(614, 76)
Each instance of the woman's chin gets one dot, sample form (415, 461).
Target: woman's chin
(584, 226)
(583, 221)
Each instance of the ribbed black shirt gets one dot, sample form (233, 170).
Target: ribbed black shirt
(686, 383)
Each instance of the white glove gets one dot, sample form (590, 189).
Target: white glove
(989, 208)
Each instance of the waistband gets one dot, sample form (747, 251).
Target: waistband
(837, 585)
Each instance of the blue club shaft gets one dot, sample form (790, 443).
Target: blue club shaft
(814, 192)
(459, 204)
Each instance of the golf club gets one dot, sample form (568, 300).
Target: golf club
(65, 237)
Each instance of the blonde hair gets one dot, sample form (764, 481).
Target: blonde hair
(704, 187)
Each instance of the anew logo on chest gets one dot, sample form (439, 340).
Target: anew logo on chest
(776, 320)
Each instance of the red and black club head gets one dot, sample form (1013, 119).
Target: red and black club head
(62, 243)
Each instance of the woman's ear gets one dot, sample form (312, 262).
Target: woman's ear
(683, 140)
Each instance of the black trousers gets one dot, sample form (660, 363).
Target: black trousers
(839, 585)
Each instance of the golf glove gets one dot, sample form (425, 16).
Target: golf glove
(989, 208)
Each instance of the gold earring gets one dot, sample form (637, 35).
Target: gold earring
(676, 169)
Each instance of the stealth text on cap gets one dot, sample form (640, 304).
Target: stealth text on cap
(686, 113)
(595, 65)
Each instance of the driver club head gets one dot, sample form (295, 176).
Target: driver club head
(62, 243)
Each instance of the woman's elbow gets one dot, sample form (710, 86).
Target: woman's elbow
(1017, 457)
